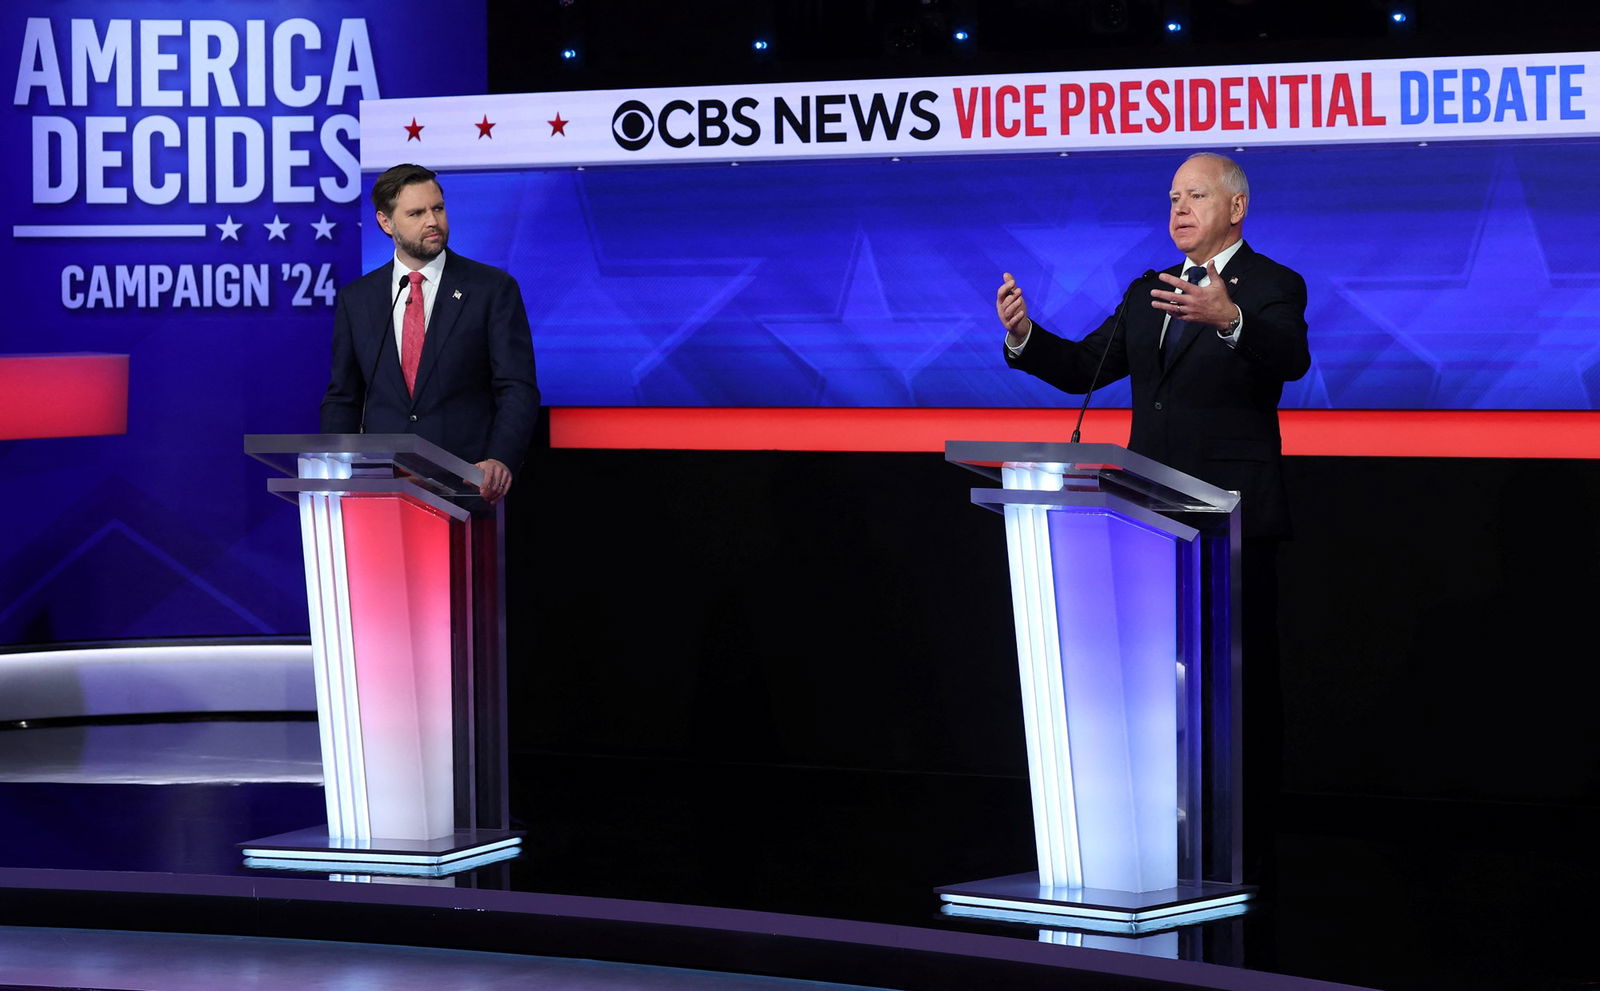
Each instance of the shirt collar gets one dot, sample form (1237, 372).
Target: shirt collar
(1221, 259)
(431, 272)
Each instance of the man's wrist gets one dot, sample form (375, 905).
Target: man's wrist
(1015, 342)
(1232, 326)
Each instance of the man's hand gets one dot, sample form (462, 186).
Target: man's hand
(1013, 310)
(1196, 304)
(496, 480)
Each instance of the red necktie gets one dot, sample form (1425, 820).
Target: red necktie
(413, 327)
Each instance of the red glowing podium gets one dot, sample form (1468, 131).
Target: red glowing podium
(405, 583)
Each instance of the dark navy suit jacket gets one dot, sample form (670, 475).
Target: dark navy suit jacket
(1212, 412)
(476, 394)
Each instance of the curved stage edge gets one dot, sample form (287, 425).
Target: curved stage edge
(649, 933)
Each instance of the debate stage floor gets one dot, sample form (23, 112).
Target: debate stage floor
(119, 871)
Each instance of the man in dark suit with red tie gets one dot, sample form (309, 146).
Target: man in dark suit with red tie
(1206, 359)
(433, 343)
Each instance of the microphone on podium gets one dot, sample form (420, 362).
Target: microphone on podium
(1122, 312)
(377, 352)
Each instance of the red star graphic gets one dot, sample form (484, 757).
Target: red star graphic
(558, 126)
(484, 127)
(413, 130)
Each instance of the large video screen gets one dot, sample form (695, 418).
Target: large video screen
(189, 190)
(1444, 277)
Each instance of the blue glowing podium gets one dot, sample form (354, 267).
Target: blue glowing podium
(1125, 592)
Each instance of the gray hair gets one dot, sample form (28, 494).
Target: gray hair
(1233, 177)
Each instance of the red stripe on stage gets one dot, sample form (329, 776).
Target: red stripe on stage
(63, 395)
(1357, 433)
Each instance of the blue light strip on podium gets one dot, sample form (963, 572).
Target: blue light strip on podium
(1223, 909)
(375, 856)
(1022, 898)
(311, 850)
(365, 868)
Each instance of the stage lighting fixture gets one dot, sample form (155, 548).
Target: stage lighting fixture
(759, 46)
(569, 53)
(1173, 27)
(1399, 17)
(962, 36)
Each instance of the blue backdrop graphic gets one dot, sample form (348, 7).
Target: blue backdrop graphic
(238, 120)
(1440, 277)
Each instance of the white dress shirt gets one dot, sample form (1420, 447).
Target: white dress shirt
(1221, 260)
(431, 274)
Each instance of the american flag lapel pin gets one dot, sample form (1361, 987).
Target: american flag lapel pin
(1232, 282)
(457, 293)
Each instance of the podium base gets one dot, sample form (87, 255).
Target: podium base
(1021, 898)
(313, 850)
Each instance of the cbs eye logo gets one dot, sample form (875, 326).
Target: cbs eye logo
(633, 125)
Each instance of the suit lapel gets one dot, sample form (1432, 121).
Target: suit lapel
(379, 351)
(454, 290)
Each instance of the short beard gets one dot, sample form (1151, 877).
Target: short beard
(421, 249)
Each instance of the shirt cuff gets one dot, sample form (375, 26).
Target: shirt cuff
(1231, 338)
(1016, 352)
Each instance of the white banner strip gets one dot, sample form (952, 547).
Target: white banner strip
(1393, 100)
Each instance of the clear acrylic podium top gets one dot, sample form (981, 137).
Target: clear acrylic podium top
(377, 462)
(1110, 469)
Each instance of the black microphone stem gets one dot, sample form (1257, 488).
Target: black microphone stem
(377, 354)
(1094, 382)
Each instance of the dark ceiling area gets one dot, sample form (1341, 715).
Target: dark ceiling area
(547, 45)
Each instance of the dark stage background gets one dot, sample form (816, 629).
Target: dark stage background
(852, 611)
(788, 681)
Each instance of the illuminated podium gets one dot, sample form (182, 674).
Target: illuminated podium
(1125, 592)
(405, 582)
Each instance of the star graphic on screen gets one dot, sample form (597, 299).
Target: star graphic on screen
(1525, 351)
(665, 307)
(324, 227)
(413, 130)
(871, 347)
(229, 229)
(558, 126)
(276, 228)
(484, 127)
(1085, 262)
(1074, 268)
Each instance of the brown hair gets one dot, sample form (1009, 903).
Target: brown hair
(387, 189)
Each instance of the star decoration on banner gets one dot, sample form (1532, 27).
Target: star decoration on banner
(229, 229)
(276, 228)
(484, 127)
(324, 227)
(413, 130)
(558, 126)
